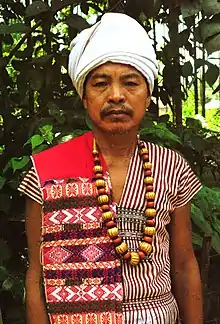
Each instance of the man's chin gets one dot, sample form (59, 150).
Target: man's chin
(118, 129)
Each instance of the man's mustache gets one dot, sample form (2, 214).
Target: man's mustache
(116, 109)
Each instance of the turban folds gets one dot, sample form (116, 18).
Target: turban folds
(116, 38)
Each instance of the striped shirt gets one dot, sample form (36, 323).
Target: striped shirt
(147, 287)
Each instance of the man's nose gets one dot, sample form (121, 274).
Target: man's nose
(116, 94)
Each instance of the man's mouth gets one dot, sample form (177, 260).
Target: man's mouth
(121, 111)
(116, 112)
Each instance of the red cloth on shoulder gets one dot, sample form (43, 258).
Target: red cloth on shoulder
(66, 160)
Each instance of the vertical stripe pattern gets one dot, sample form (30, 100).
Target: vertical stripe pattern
(147, 297)
(147, 287)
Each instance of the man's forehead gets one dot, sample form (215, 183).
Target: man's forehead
(109, 68)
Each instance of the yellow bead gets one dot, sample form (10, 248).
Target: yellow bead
(149, 230)
(103, 199)
(147, 165)
(94, 146)
(112, 232)
(122, 248)
(100, 183)
(148, 180)
(107, 216)
(143, 151)
(97, 168)
(150, 212)
(135, 258)
(146, 247)
(150, 195)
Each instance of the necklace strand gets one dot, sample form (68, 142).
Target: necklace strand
(121, 248)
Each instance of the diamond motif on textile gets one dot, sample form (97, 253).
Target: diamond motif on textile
(77, 319)
(58, 254)
(95, 293)
(72, 189)
(106, 318)
(92, 253)
(91, 319)
(56, 191)
(63, 294)
(87, 189)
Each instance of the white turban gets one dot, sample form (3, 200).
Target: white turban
(117, 38)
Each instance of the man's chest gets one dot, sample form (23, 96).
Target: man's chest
(118, 179)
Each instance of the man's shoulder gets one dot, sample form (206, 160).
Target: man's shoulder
(163, 151)
(72, 146)
(65, 160)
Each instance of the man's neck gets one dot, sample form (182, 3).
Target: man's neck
(116, 146)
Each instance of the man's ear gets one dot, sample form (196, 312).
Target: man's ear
(148, 101)
(84, 102)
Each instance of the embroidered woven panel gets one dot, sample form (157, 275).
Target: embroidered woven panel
(82, 274)
(90, 318)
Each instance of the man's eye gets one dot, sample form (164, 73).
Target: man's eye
(100, 84)
(131, 84)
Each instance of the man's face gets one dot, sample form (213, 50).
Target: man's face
(116, 97)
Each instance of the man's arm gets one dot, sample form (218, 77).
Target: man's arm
(35, 307)
(184, 268)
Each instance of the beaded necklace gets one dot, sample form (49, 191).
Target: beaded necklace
(121, 248)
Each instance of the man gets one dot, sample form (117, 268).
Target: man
(100, 204)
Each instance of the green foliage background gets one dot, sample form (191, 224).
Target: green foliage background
(39, 108)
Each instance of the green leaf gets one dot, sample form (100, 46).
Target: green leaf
(200, 62)
(14, 28)
(42, 60)
(4, 29)
(184, 37)
(187, 69)
(209, 29)
(199, 220)
(18, 163)
(40, 148)
(77, 22)
(36, 8)
(2, 182)
(7, 284)
(190, 8)
(212, 44)
(212, 74)
(164, 118)
(36, 140)
(211, 7)
(95, 7)
(164, 97)
(160, 131)
(47, 133)
(216, 242)
(208, 200)
(216, 225)
(197, 239)
(193, 123)
(46, 128)
(216, 90)
(59, 4)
